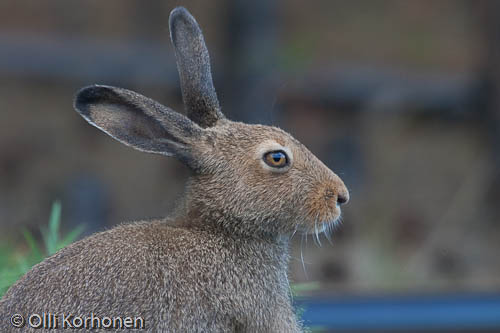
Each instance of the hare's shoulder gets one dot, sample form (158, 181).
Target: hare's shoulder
(120, 263)
(122, 249)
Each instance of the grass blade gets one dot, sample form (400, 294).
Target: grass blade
(71, 237)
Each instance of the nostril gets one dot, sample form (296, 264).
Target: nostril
(342, 199)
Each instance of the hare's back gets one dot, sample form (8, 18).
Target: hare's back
(119, 272)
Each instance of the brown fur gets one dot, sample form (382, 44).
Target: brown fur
(219, 264)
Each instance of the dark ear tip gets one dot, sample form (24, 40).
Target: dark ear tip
(90, 95)
(179, 13)
(179, 17)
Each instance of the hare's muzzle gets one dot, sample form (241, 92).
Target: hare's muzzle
(325, 199)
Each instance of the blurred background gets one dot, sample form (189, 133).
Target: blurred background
(400, 98)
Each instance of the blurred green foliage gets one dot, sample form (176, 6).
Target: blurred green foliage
(15, 262)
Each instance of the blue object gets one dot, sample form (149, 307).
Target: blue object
(421, 312)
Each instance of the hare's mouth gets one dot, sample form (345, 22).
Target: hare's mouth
(320, 226)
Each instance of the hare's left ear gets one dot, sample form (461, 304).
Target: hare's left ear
(139, 122)
(193, 63)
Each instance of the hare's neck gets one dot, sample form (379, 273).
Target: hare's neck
(203, 217)
(199, 212)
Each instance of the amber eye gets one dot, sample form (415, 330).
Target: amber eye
(276, 159)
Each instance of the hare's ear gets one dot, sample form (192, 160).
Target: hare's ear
(193, 63)
(138, 121)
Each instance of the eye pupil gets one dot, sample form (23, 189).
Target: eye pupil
(277, 157)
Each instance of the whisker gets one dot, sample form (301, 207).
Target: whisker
(302, 255)
(317, 234)
(327, 233)
(315, 231)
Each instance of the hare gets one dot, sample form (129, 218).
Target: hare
(219, 263)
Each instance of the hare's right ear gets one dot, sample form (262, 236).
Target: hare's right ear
(138, 121)
(193, 63)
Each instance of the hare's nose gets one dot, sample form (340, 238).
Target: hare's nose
(342, 198)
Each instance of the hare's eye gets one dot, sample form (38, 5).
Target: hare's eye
(276, 159)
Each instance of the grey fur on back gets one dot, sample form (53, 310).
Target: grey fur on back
(219, 263)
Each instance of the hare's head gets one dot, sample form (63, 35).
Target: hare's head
(250, 178)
